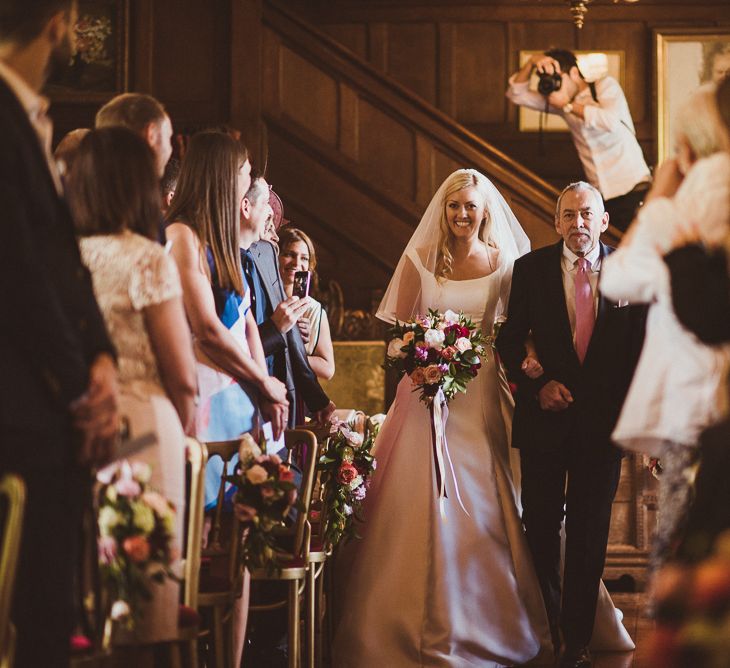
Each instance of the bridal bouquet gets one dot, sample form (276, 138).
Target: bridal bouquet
(439, 351)
(347, 466)
(136, 530)
(442, 353)
(265, 493)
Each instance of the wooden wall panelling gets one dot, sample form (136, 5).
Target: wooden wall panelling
(378, 45)
(445, 89)
(412, 57)
(352, 35)
(247, 72)
(309, 96)
(349, 122)
(425, 171)
(191, 59)
(387, 150)
(479, 72)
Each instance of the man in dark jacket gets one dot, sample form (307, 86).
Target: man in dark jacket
(588, 348)
(58, 396)
(275, 313)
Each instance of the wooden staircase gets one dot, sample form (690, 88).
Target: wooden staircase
(356, 156)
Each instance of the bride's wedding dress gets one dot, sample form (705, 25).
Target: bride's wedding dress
(420, 589)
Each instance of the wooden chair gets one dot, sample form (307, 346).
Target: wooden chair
(295, 560)
(12, 488)
(221, 583)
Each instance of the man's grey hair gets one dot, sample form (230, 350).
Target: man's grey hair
(579, 185)
(257, 190)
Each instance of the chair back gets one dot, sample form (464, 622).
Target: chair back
(222, 543)
(12, 488)
(197, 457)
(306, 441)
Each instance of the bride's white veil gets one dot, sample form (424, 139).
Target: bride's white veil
(402, 298)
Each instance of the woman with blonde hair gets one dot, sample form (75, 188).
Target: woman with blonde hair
(422, 589)
(297, 253)
(677, 389)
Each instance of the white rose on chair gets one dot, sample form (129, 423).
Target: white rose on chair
(462, 344)
(394, 348)
(434, 338)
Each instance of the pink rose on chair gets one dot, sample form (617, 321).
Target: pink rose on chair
(137, 548)
(346, 474)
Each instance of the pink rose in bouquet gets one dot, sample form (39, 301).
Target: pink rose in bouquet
(432, 374)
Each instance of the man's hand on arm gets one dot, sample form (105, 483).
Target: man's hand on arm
(554, 396)
(287, 313)
(323, 416)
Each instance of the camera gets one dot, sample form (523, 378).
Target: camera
(548, 83)
(301, 284)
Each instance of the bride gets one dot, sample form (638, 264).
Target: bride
(422, 589)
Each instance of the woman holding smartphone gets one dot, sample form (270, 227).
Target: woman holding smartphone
(297, 256)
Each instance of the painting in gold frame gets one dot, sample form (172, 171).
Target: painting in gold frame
(100, 67)
(593, 64)
(684, 58)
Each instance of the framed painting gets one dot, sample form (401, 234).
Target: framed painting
(684, 59)
(99, 68)
(593, 65)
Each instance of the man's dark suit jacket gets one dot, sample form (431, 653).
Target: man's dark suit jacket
(537, 305)
(288, 347)
(50, 326)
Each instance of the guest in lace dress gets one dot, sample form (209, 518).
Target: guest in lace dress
(297, 253)
(114, 195)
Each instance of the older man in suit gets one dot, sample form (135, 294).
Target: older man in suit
(58, 394)
(275, 313)
(588, 348)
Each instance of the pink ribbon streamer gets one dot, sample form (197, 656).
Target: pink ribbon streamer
(439, 410)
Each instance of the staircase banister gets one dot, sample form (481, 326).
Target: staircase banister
(430, 120)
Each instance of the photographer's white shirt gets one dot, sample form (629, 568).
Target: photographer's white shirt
(605, 139)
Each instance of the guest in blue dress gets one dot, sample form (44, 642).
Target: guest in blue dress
(204, 226)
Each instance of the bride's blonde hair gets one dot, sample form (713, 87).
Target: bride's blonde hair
(458, 181)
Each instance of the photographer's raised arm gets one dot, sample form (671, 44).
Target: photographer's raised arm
(609, 112)
(519, 91)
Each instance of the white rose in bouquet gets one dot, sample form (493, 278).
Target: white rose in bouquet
(434, 338)
(462, 344)
(450, 318)
(394, 348)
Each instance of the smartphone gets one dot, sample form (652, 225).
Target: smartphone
(301, 283)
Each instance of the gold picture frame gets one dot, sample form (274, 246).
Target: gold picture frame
(593, 64)
(99, 69)
(683, 59)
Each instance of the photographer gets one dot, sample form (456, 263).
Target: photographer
(600, 122)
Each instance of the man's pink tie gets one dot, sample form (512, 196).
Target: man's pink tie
(585, 316)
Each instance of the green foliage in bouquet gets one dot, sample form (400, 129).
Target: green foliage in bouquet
(438, 351)
(136, 532)
(265, 493)
(347, 466)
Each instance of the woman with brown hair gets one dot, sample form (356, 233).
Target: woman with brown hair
(114, 195)
(204, 226)
(296, 253)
